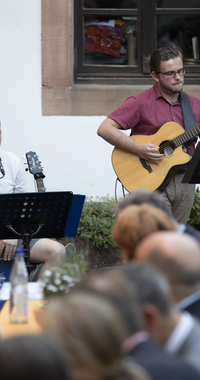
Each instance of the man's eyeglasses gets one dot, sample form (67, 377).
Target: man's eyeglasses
(172, 74)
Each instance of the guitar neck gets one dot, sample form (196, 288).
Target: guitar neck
(40, 185)
(36, 169)
(186, 136)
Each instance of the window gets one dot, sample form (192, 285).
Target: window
(65, 70)
(114, 39)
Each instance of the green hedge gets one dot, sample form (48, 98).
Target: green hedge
(97, 220)
(98, 217)
(194, 217)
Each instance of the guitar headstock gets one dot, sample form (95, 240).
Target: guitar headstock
(34, 165)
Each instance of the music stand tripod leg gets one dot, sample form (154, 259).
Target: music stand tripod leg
(26, 239)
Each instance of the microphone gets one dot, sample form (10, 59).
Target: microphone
(2, 168)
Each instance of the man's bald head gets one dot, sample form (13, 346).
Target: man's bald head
(177, 256)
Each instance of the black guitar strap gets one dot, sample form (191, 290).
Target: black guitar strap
(188, 115)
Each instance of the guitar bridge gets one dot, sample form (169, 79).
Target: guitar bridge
(146, 165)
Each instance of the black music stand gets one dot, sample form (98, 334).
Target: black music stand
(192, 174)
(34, 215)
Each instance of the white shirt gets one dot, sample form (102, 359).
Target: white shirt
(180, 333)
(14, 180)
(181, 228)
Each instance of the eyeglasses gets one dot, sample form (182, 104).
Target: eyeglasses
(172, 74)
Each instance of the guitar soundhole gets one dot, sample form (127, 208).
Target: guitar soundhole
(167, 148)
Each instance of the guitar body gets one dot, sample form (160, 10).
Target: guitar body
(133, 174)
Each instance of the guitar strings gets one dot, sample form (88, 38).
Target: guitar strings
(172, 143)
(165, 145)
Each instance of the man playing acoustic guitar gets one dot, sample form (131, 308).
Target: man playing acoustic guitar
(145, 114)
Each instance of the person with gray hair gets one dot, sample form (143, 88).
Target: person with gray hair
(177, 332)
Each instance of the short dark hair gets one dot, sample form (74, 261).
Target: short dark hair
(163, 54)
(140, 196)
(151, 284)
(115, 288)
(41, 357)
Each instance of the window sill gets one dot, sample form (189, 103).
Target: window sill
(96, 100)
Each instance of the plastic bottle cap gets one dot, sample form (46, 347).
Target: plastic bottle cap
(19, 252)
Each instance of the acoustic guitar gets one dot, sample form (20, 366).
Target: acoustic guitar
(135, 172)
(35, 168)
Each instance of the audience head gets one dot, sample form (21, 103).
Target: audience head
(152, 286)
(92, 330)
(40, 357)
(140, 196)
(177, 256)
(120, 292)
(155, 296)
(136, 222)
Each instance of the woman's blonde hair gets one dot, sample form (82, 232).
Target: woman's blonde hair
(136, 222)
(93, 333)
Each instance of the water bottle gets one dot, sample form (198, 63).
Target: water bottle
(19, 289)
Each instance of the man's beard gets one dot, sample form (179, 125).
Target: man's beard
(173, 88)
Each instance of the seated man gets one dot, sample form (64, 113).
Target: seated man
(177, 332)
(12, 180)
(138, 347)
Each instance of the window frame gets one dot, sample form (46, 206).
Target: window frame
(146, 13)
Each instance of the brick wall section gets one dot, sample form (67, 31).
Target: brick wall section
(57, 50)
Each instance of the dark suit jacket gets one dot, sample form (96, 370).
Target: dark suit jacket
(192, 231)
(194, 309)
(160, 365)
(190, 304)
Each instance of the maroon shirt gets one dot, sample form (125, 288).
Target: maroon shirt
(146, 112)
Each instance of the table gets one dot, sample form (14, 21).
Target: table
(31, 327)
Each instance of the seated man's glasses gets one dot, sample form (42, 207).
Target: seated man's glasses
(172, 74)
